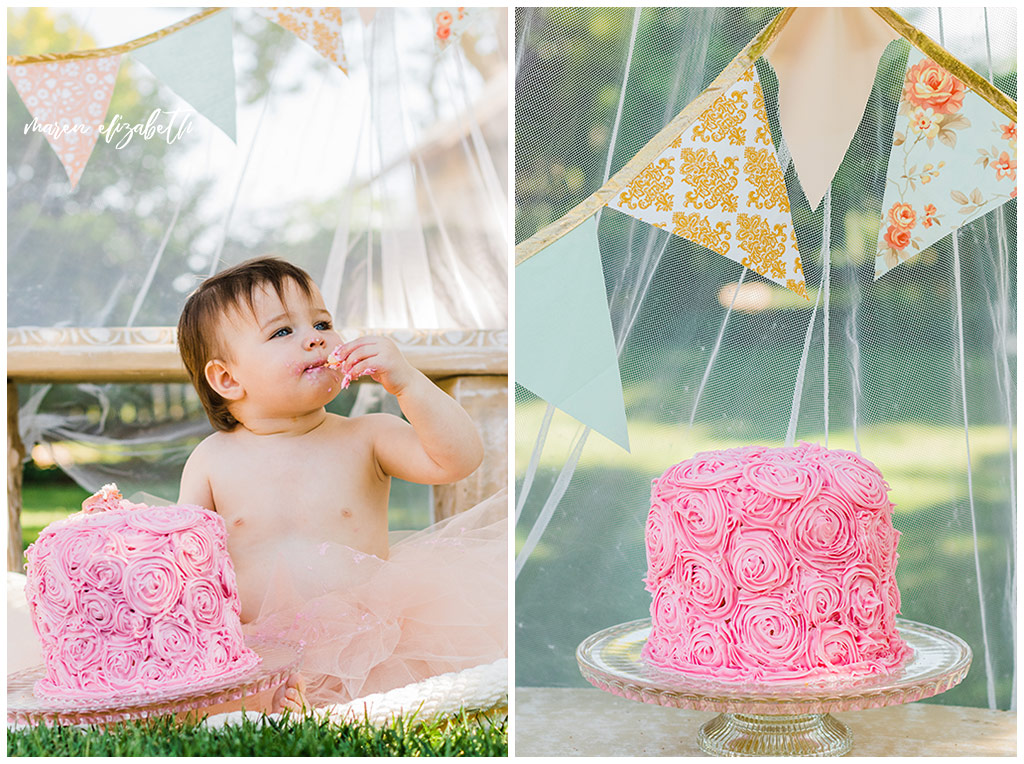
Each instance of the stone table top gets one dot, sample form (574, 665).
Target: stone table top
(587, 722)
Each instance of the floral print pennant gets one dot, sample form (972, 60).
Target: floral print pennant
(719, 184)
(450, 23)
(317, 27)
(954, 158)
(68, 101)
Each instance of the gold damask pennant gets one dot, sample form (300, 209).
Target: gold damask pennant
(719, 184)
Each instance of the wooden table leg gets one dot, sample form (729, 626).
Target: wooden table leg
(485, 399)
(15, 458)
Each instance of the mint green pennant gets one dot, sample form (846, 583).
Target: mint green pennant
(198, 64)
(565, 349)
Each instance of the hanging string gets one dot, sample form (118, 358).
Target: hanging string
(989, 679)
(798, 389)
(826, 277)
(531, 468)
(1002, 281)
(546, 512)
(718, 345)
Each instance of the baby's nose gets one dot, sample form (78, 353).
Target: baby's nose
(313, 341)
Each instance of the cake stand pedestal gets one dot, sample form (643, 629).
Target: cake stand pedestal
(277, 661)
(789, 718)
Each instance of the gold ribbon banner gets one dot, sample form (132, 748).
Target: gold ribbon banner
(117, 49)
(590, 206)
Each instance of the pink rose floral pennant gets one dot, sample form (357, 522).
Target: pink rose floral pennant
(954, 158)
(68, 101)
(450, 23)
(318, 27)
(719, 184)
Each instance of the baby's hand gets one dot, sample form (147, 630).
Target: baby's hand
(377, 357)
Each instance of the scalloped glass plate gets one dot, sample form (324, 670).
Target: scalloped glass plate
(277, 661)
(610, 660)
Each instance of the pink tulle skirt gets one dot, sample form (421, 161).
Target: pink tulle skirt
(439, 603)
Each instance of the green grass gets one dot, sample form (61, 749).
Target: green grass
(459, 736)
(44, 503)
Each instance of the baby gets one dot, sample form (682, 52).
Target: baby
(284, 474)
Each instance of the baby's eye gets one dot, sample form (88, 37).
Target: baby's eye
(284, 331)
(322, 326)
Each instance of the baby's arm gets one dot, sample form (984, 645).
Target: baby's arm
(195, 481)
(439, 443)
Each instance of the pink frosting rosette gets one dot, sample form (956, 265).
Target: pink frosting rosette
(783, 478)
(824, 530)
(818, 594)
(709, 647)
(765, 635)
(165, 520)
(202, 599)
(668, 608)
(704, 519)
(864, 486)
(103, 571)
(98, 608)
(174, 638)
(122, 663)
(72, 550)
(194, 552)
(129, 622)
(703, 582)
(657, 650)
(152, 585)
(756, 508)
(862, 592)
(58, 598)
(880, 539)
(78, 646)
(660, 541)
(702, 471)
(759, 560)
(833, 646)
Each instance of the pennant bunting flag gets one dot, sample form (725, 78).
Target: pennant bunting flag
(317, 27)
(198, 64)
(720, 185)
(818, 48)
(954, 158)
(68, 101)
(450, 23)
(367, 14)
(565, 349)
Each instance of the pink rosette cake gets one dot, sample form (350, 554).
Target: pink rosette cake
(127, 598)
(773, 564)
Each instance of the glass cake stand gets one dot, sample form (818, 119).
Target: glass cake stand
(786, 718)
(278, 660)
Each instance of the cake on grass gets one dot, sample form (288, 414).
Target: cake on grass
(773, 564)
(127, 598)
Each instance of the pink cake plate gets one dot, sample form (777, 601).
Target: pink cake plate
(790, 718)
(277, 661)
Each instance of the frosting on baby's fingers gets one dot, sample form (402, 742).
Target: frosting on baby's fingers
(334, 360)
(349, 376)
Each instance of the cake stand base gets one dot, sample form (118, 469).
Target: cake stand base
(776, 735)
(781, 718)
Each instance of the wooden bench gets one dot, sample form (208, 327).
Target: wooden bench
(470, 365)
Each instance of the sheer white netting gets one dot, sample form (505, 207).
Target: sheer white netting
(387, 186)
(699, 371)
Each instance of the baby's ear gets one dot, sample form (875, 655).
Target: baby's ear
(219, 377)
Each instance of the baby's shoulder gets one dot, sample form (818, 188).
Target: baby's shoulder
(214, 446)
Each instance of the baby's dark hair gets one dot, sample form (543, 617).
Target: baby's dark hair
(198, 339)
